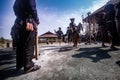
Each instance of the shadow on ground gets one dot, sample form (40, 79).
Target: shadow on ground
(7, 64)
(7, 57)
(95, 54)
(10, 72)
(65, 48)
(118, 63)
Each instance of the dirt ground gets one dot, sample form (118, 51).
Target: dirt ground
(63, 62)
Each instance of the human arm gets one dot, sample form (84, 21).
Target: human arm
(33, 11)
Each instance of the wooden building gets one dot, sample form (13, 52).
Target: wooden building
(91, 18)
(48, 37)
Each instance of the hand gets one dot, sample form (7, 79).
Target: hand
(29, 27)
(36, 27)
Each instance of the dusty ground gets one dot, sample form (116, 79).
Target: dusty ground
(87, 62)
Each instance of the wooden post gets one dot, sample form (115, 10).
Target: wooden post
(36, 46)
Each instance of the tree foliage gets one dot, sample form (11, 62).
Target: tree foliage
(2, 40)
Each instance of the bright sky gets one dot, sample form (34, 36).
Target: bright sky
(52, 13)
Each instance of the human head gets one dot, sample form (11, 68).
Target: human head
(68, 28)
(59, 28)
(72, 19)
(109, 7)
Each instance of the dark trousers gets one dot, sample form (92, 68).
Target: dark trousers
(75, 37)
(69, 38)
(118, 27)
(13, 43)
(104, 35)
(25, 48)
(111, 26)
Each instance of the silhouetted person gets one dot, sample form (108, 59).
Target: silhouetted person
(59, 34)
(111, 24)
(26, 23)
(79, 28)
(103, 29)
(72, 24)
(14, 36)
(69, 34)
(118, 23)
(75, 37)
(118, 18)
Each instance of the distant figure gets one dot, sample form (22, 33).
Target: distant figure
(47, 41)
(69, 34)
(72, 24)
(79, 28)
(26, 23)
(59, 34)
(75, 37)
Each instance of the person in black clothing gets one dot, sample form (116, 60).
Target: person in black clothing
(103, 29)
(75, 37)
(111, 24)
(69, 34)
(118, 17)
(59, 34)
(26, 24)
(72, 24)
(14, 37)
(79, 28)
(118, 23)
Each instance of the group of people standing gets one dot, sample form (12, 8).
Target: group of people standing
(108, 21)
(26, 28)
(24, 32)
(72, 33)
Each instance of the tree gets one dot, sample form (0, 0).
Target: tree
(2, 40)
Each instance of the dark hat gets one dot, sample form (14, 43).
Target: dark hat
(72, 18)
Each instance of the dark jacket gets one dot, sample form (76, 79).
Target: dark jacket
(59, 34)
(72, 25)
(101, 20)
(110, 12)
(26, 8)
(118, 11)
